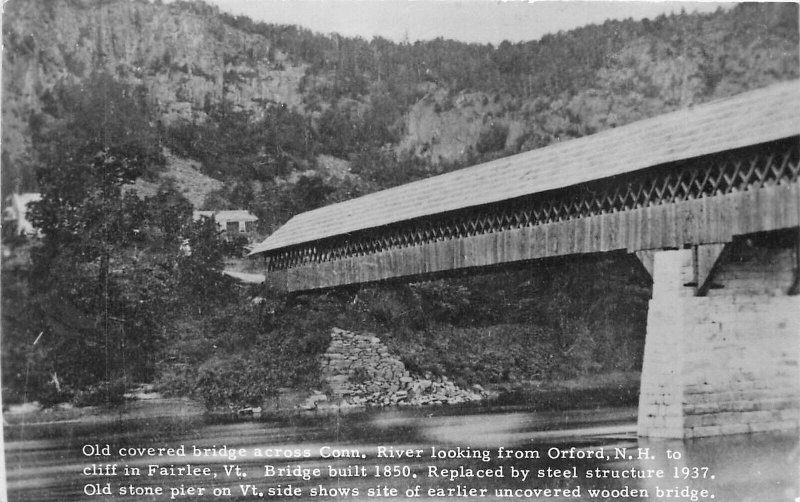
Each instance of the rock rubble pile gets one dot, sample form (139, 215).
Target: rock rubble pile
(360, 371)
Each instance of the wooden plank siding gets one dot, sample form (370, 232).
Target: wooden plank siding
(700, 221)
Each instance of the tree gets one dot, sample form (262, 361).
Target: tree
(111, 266)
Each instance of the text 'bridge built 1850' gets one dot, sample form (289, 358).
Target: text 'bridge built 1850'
(692, 177)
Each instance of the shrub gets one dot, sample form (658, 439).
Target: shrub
(232, 382)
(492, 139)
(102, 394)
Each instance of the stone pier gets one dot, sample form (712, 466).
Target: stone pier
(360, 371)
(724, 362)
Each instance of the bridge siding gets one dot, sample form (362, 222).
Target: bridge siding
(700, 221)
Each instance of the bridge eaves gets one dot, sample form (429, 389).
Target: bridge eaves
(750, 118)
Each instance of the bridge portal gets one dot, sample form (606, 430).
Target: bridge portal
(707, 198)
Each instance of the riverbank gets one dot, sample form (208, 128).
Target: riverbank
(592, 392)
(499, 337)
(133, 409)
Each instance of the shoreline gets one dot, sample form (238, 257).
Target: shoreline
(615, 389)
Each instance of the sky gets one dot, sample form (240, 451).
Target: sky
(480, 21)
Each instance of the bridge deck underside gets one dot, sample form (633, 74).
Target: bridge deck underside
(704, 200)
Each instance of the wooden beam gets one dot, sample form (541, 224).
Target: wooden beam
(646, 257)
(706, 257)
(795, 289)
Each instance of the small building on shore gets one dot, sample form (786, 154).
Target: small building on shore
(233, 223)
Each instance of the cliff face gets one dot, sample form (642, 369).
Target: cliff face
(183, 54)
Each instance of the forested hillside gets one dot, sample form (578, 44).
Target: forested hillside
(260, 104)
(287, 120)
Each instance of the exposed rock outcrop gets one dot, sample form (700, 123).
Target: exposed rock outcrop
(185, 56)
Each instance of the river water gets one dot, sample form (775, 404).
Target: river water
(64, 462)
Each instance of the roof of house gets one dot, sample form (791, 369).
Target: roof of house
(750, 118)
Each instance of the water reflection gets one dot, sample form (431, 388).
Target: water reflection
(46, 463)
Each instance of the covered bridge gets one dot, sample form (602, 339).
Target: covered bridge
(706, 197)
(696, 176)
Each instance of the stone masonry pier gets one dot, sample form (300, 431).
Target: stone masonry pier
(726, 362)
(360, 371)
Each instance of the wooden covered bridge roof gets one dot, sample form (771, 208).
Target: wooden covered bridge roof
(751, 118)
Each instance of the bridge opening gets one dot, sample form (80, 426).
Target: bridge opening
(516, 327)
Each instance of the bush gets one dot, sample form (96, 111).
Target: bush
(102, 394)
(492, 139)
(232, 382)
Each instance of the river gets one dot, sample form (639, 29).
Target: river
(394, 453)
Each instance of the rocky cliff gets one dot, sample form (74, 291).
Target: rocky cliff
(182, 54)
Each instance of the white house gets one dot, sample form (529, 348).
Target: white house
(232, 222)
